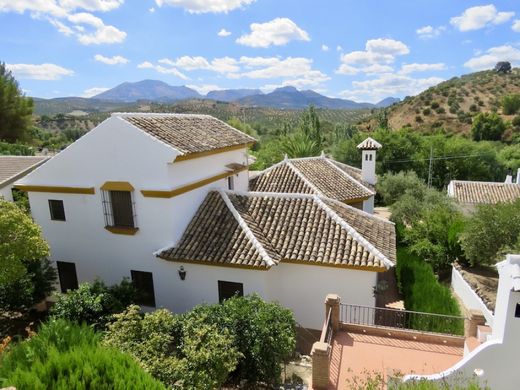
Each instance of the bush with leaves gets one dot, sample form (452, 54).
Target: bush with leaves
(491, 231)
(182, 352)
(511, 104)
(392, 186)
(63, 355)
(488, 126)
(94, 303)
(263, 332)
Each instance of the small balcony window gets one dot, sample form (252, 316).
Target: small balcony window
(119, 211)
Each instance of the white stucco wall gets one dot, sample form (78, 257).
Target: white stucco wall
(6, 194)
(468, 296)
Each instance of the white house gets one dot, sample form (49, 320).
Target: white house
(13, 168)
(163, 199)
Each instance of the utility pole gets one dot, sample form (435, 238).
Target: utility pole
(430, 167)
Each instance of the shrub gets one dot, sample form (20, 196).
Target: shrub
(182, 352)
(68, 356)
(419, 119)
(263, 333)
(490, 231)
(516, 121)
(422, 292)
(392, 186)
(427, 111)
(434, 105)
(440, 110)
(473, 108)
(487, 126)
(511, 104)
(94, 303)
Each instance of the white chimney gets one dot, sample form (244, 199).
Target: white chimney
(509, 176)
(368, 148)
(518, 176)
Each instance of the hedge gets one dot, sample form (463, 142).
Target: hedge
(423, 293)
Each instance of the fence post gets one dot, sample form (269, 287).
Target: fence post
(475, 319)
(320, 365)
(332, 303)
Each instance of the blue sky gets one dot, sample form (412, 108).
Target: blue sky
(361, 50)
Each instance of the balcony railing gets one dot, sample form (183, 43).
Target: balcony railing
(401, 319)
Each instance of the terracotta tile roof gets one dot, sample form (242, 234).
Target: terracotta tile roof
(313, 175)
(369, 144)
(483, 192)
(189, 133)
(14, 167)
(354, 172)
(260, 230)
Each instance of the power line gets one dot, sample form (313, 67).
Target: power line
(438, 158)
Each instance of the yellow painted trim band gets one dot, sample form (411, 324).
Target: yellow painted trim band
(117, 186)
(213, 264)
(345, 266)
(184, 157)
(189, 187)
(128, 231)
(57, 189)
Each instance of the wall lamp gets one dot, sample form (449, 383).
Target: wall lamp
(182, 273)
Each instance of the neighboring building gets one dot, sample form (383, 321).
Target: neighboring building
(13, 168)
(137, 183)
(323, 176)
(470, 193)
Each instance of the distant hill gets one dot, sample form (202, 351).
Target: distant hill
(290, 97)
(452, 104)
(389, 101)
(230, 95)
(153, 90)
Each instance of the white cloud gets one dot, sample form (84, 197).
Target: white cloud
(387, 47)
(86, 27)
(415, 67)
(428, 32)
(204, 6)
(151, 10)
(324, 48)
(478, 17)
(224, 33)
(163, 69)
(188, 63)
(94, 91)
(339, 48)
(39, 72)
(111, 60)
(494, 55)
(205, 88)
(388, 85)
(516, 26)
(376, 57)
(276, 32)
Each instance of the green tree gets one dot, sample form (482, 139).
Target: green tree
(489, 231)
(21, 242)
(15, 108)
(94, 303)
(311, 127)
(392, 186)
(68, 356)
(511, 104)
(509, 156)
(182, 352)
(244, 127)
(299, 145)
(263, 333)
(487, 126)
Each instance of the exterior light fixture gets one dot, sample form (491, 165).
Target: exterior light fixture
(182, 273)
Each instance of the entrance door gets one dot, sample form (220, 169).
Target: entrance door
(67, 275)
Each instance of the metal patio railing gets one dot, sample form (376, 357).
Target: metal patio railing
(401, 319)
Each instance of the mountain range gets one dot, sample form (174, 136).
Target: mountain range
(284, 97)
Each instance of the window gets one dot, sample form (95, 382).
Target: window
(370, 158)
(67, 275)
(230, 183)
(228, 290)
(57, 210)
(143, 282)
(118, 207)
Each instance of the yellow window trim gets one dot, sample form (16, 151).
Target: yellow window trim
(214, 264)
(189, 187)
(128, 231)
(117, 186)
(190, 156)
(57, 189)
(345, 266)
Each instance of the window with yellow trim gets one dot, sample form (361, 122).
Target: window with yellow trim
(119, 209)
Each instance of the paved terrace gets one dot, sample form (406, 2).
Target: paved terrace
(356, 355)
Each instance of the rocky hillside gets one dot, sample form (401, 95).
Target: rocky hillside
(452, 104)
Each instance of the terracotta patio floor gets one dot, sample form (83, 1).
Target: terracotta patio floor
(353, 355)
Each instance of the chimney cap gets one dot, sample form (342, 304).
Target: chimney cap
(369, 144)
